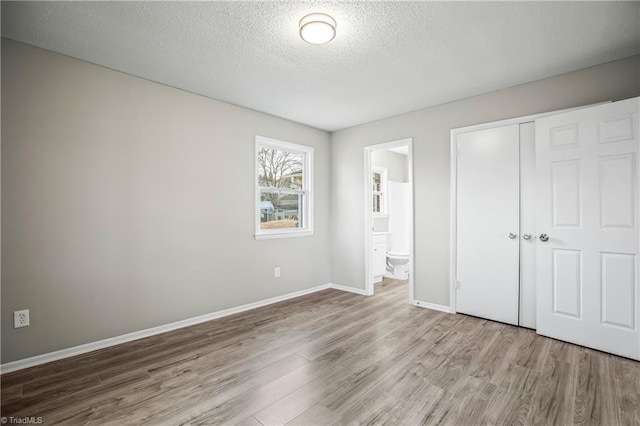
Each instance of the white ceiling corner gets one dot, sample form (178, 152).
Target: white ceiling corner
(387, 58)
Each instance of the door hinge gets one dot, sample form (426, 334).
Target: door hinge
(457, 285)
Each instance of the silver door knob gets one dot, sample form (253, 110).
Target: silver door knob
(512, 235)
(526, 236)
(544, 238)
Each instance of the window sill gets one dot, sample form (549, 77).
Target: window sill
(265, 236)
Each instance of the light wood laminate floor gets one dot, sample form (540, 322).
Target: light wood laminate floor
(334, 358)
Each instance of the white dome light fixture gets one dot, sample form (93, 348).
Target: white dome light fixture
(317, 28)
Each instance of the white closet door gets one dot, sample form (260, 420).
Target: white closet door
(488, 223)
(587, 205)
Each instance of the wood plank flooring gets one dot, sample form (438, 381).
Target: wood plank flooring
(334, 358)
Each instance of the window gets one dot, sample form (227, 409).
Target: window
(379, 182)
(284, 189)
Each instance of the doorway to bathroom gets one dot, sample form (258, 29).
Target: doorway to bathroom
(388, 214)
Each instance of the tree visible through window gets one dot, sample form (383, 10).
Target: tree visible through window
(283, 189)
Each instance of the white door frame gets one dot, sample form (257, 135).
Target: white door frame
(454, 186)
(368, 214)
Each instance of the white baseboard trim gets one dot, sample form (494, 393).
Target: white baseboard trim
(434, 306)
(349, 289)
(112, 341)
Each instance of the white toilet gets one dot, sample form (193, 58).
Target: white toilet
(397, 264)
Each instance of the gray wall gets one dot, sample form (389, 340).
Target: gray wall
(128, 204)
(395, 163)
(430, 129)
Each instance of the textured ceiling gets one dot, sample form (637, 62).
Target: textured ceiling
(387, 58)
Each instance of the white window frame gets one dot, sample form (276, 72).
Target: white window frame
(307, 190)
(384, 190)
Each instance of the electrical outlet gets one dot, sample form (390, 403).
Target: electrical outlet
(21, 318)
(276, 273)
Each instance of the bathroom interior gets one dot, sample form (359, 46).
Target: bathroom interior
(391, 215)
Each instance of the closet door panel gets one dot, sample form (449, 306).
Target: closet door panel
(527, 225)
(587, 204)
(488, 234)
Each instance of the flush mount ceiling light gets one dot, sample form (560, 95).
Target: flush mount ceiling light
(317, 28)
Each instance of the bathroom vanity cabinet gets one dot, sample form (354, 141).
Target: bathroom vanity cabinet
(379, 257)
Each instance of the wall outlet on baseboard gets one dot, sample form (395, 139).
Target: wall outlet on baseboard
(276, 272)
(21, 318)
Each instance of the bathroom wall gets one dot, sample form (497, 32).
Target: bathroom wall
(430, 129)
(394, 162)
(127, 204)
(399, 216)
(397, 170)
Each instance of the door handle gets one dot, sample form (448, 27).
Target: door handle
(526, 236)
(512, 235)
(544, 238)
